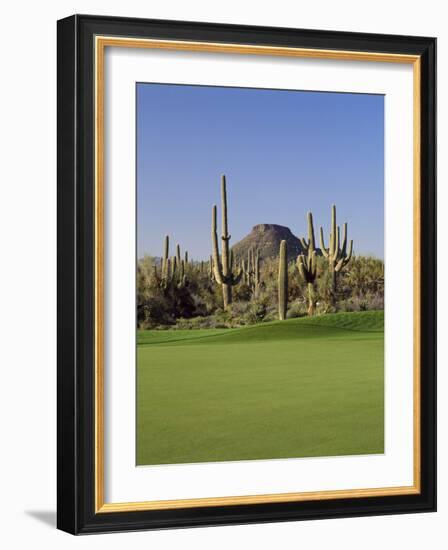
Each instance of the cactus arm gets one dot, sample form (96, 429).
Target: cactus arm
(344, 240)
(225, 225)
(283, 281)
(225, 231)
(338, 240)
(345, 259)
(311, 239)
(333, 248)
(322, 243)
(217, 271)
(350, 252)
(339, 265)
(301, 266)
(166, 247)
(334, 256)
(257, 268)
(166, 251)
(304, 244)
(237, 278)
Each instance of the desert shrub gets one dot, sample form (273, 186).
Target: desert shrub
(241, 293)
(257, 310)
(195, 323)
(297, 309)
(156, 310)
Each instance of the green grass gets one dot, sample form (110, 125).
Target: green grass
(297, 388)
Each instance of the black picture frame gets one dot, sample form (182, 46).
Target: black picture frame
(76, 254)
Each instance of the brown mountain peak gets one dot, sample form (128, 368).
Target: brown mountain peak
(266, 237)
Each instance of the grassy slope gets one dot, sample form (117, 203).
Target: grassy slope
(302, 387)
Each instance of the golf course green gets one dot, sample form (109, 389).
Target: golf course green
(297, 388)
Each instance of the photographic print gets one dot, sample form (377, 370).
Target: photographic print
(246, 274)
(260, 274)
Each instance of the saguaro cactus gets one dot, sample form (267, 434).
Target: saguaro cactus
(173, 269)
(283, 281)
(251, 271)
(307, 265)
(336, 254)
(222, 267)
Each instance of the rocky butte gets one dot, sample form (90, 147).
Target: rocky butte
(266, 237)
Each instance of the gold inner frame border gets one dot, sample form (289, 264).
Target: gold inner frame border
(101, 42)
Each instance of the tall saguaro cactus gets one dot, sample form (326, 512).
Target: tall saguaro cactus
(283, 281)
(307, 265)
(337, 255)
(222, 266)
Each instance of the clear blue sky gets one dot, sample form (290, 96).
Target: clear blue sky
(283, 152)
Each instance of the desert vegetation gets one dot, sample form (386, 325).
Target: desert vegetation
(240, 285)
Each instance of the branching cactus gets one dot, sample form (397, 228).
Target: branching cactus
(283, 281)
(336, 254)
(307, 264)
(251, 271)
(173, 269)
(222, 266)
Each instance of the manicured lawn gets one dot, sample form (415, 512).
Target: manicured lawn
(297, 388)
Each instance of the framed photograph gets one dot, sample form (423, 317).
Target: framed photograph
(246, 274)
